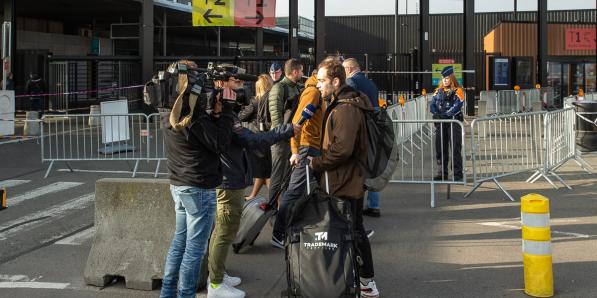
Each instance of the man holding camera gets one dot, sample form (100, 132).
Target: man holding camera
(194, 139)
(230, 194)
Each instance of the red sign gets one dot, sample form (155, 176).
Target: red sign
(578, 39)
(446, 61)
(255, 13)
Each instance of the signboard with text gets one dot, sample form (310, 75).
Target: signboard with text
(578, 39)
(239, 13)
(437, 69)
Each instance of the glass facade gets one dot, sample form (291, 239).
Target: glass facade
(568, 77)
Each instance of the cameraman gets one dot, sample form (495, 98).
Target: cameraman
(194, 139)
(230, 194)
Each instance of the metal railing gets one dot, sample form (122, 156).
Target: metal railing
(506, 145)
(90, 137)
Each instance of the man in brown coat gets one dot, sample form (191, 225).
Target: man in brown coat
(344, 146)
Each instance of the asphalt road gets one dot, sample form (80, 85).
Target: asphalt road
(462, 248)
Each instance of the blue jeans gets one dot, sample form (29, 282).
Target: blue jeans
(195, 210)
(373, 200)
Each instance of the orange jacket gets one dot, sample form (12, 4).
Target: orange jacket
(311, 131)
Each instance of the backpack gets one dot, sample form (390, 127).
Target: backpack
(264, 119)
(382, 150)
(290, 104)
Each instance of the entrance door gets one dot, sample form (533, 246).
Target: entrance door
(568, 77)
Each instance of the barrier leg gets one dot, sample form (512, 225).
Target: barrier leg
(49, 169)
(583, 164)
(533, 176)
(448, 191)
(550, 182)
(473, 190)
(432, 195)
(157, 169)
(135, 169)
(70, 169)
(503, 190)
(537, 177)
(561, 180)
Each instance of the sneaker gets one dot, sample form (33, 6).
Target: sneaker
(373, 212)
(224, 291)
(277, 243)
(229, 280)
(369, 233)
(369, 290)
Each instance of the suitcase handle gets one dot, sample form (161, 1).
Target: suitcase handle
(327, 181)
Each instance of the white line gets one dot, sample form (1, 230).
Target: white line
(12, 183)
(54, 187)
(502, 225)
(77, 238)
(108, 172)
(492, 267)
(19, 140)
(33, 285)
(54, 212)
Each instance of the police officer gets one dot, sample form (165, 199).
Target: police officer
(447, 103)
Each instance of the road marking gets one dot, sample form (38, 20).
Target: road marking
(513, 227)
(20, 224)
(48, 189)
(19, 140)
(492, 267)
(78, 238)
(108, 172)
(12, 183)
(33, 285)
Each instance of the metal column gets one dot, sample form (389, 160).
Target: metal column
(319, 31)
(293, 46)
(542, 42)
(259, 47)
(424, 53)
(10, 16)
(469, 54)
(146, 40)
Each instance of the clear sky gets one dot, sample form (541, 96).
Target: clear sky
(379, 7)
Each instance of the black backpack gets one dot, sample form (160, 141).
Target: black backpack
(264, 119)
(382, 149)
(321, 258)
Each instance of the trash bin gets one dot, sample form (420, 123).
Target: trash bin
(586, 136)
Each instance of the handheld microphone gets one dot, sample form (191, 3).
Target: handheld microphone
(306, 114)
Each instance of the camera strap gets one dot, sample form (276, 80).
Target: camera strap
(175, 120)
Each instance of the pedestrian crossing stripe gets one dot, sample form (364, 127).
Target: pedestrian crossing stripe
(44, 190)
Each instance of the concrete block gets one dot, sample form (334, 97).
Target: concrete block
(482, 108)
(134, 220)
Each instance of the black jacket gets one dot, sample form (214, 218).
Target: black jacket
(234, 159)
(249, 114)
(193, 153)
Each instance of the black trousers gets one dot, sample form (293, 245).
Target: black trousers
(362, 241)
(448, 135)
(280, 168)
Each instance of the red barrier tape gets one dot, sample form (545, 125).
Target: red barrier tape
(81, 92)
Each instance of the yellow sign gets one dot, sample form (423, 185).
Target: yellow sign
(213, 12)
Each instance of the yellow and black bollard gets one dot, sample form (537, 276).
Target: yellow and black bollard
(536, 246)
(2, 198)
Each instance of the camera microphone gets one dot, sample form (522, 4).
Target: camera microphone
(306, 114)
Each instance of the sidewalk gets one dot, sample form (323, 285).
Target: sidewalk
(463, 248)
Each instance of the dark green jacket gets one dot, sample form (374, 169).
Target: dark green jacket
(276, 100)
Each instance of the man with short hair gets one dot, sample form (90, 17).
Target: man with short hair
(307, 143)
(356, 79)
(282, 97)
(344, 147)
(275, 71)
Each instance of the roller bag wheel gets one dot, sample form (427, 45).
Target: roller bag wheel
(256, 212)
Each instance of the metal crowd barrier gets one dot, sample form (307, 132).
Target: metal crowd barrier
(560, 144)
(89, 137)
(506, 145)
(157, 145)
(420, 162)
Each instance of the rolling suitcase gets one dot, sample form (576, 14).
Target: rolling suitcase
(256, 212)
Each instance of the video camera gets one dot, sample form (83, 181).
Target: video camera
(163, 89)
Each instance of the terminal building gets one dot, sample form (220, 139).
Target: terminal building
(98, 44)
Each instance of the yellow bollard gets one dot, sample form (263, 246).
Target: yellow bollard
(536, 246)
(2, 198)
